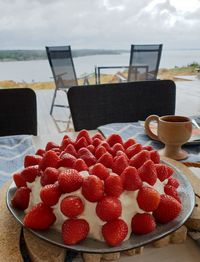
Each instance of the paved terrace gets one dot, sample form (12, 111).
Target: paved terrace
(187, 103)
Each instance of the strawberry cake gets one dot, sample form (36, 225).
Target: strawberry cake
(92, 187)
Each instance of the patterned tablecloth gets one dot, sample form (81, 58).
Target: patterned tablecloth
(135, 130)
(12, 152)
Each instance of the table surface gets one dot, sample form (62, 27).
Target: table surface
(10, 230)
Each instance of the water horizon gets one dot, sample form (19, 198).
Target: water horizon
(39, 70)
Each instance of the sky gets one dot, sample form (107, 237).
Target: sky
(106, 24)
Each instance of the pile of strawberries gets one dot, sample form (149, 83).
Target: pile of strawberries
(114, 167)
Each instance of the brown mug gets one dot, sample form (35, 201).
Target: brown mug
(173, 131)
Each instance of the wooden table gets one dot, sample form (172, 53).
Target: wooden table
(40, 250)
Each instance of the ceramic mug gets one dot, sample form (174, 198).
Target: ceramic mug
(173, 131)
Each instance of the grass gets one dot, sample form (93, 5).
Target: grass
(105, 78)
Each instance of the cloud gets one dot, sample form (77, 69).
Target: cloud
(97, 24)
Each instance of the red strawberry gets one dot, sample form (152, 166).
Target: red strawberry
(65, 142)
(130, 179)
(29, 173)
(171, 191)
(113, 186)
(139, 159)
(74, 230)
(84, 133)
(117, 147)
(70, 180)
(32, 160)
(99, 170)
(148, 199)
(107, 146)
(119, 164)
(50, 159)
(129, 143)
(114, 232)
(147, 172)
(67, 160)
(72, 206)
(65, 137)
(87, 156)
(19, 180)
(81, 143)
(39, 217)
(119, 153)
(163, 171)
(148, 148)
(133, 150)
(40, 152)
(80, 165)
(91, 148)
(49, 176)
(168, 209)
(51, 145)
(143, 223)
(100, 151)
(21, 198)
(50, 194)
(114, 139)
(98, 135)
(155, 157)
(96, 142)
(106, 159)
(93, 188)
(173, 182)
(109, 208)
(71, 150)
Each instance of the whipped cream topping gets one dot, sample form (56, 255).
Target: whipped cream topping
(128, 201)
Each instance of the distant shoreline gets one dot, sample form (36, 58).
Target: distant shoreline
(33, 55)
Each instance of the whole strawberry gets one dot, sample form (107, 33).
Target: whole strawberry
(93, 188)
(172, 181)
(50, 159)
(21, 198)
(148, 198)
(109, 208)
(130, 179)
(19, 180)
(29, 173)
(67, 160)
(139, 159)
(50, 194)
(143, 223)
(113, 185)
(169, 208)
(163, 171)
(114, 139)
(74, 230)
(32, 160)
(171, 191)
(39, 217)
(49, 176)
(114, 232)
(147, 172)
(70, 180)
(72, 206)
(119, 164)
(100, 171)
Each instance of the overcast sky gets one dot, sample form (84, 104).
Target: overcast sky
(30, 24)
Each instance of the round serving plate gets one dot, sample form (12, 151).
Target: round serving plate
(93, 246)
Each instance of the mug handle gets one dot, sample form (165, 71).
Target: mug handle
(148, 131)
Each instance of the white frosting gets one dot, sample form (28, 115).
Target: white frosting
(127, 198)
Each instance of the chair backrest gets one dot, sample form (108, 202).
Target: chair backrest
(62, 66)
(18, 111)
(96, 105)
(144, 62)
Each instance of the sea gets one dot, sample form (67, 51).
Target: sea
(39, 70)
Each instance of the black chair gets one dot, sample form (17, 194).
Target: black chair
(62, 66)
(144, 62)
(96, 105)
(18, 112)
